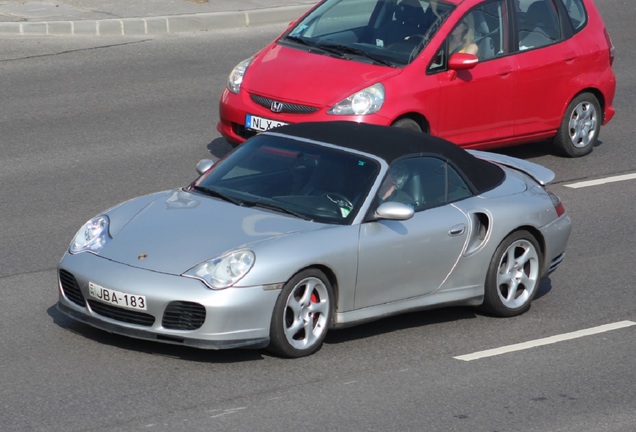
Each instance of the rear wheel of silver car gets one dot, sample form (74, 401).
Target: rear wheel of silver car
(580, 126)
(513, 276)
(301, 315)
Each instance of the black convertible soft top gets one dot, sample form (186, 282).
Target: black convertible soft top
(391, 143)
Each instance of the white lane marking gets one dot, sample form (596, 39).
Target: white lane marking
(601, 181)
(228, 411)
(545, 341)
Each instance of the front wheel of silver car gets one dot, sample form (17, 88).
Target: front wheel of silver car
(301, 315)
(513, 276)
(580, 126)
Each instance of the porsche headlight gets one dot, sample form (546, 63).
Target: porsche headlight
(235, 79)
(223, 272)
(92, 236)
(366, 101)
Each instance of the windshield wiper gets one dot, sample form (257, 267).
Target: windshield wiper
(300, 40)
(277, 208)
(314, 45)
(217, 194)
(306, 42)
(342, 49)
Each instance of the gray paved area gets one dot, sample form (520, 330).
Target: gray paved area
(140, 17)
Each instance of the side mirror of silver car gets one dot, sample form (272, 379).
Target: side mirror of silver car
(204, 165)
(394, 211)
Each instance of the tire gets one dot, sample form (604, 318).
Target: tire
(407, 123)
(302, 315)
(513, 276)
(580, 127)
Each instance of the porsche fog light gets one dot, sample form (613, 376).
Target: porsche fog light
(92, 236)
(225, 271)
(366, 101)
(235, 79)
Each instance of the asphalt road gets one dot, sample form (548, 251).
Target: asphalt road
(86, 123)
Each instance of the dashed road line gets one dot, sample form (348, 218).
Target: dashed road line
(601, 181)
(227, 411)
(545, 341)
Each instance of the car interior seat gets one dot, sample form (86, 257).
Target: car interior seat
(538, 27)
(484, 40)
(413, 188)
(540, 14)
(301, 172)
(408, 20)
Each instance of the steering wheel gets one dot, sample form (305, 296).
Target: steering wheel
(419, 45)
(418, 37)
(339, 199)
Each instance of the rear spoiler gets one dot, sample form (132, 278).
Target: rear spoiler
(541, 174)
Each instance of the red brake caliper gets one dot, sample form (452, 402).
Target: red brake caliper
(314, 299)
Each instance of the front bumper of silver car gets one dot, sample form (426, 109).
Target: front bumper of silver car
(177, 310)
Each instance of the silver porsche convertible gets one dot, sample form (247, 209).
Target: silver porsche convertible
(312, 227)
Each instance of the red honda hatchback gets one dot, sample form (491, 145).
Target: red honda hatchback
(480, 73)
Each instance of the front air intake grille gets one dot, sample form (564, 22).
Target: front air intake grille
(180, 315)
(120, 314)
(282, 107)
(242, 132)
(71, 288)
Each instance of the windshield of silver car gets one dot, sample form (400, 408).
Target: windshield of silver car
(295, 178)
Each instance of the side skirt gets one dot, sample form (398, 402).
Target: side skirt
(465, 296)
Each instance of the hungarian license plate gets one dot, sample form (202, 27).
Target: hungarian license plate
(261, 124)
(117, 298)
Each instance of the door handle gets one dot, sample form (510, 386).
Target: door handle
(457, 230)
(569, 57)
(504, 71)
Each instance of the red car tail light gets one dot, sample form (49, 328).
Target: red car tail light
(612, 49)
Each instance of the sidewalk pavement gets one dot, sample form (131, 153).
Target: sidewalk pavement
(141, 17)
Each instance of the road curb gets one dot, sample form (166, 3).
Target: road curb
(155, 25)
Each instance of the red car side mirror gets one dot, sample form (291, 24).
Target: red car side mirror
(461, 61)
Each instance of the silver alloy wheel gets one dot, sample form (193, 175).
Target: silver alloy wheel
(306, 313)
(518, 275)
(583, 124)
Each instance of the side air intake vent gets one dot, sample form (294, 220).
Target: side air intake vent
(480, 231)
